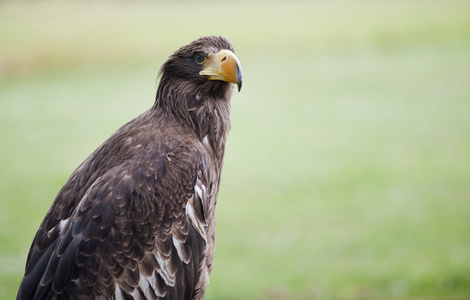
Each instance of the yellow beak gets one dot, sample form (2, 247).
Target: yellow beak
(224, 66)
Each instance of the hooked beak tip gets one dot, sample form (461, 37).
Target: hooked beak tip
(239, 78)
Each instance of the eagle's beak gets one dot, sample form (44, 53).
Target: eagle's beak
(224, 66)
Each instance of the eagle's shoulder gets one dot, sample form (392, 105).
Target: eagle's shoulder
(113, 214)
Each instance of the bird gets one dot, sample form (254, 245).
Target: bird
(136, 220)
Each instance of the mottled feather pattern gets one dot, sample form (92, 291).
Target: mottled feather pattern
(136, 220)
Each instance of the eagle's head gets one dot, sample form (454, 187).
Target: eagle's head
(205, 68)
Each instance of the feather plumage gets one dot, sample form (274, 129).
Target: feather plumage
(136, 218)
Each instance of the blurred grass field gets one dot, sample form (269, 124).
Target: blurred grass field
(347, 172)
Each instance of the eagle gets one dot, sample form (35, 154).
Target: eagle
(136, 220)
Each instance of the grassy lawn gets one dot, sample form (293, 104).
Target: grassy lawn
(347, 172)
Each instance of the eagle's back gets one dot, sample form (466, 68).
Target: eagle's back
(136, 219)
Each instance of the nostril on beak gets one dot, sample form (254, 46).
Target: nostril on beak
(224, 59)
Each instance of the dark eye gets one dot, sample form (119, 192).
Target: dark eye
(199, 59)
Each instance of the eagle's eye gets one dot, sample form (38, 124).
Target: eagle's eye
(199, 59)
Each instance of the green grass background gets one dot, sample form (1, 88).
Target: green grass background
(347, 172)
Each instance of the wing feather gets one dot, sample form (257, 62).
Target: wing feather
(130, 232)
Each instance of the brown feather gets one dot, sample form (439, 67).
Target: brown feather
(136, 219)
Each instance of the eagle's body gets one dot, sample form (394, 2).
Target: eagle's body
(136, 220)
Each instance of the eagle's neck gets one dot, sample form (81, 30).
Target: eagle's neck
(212, 123)
(207, 116)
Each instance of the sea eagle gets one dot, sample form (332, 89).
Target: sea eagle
(136, 220)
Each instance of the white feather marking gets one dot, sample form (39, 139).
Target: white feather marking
(62, 224)
(199, 191)
(144, 286)
(203, 188)
(195, 222)
(151, 280)
(168, 277)
(59, 226)
(179, 250)
(117, 293)
(205, 141)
